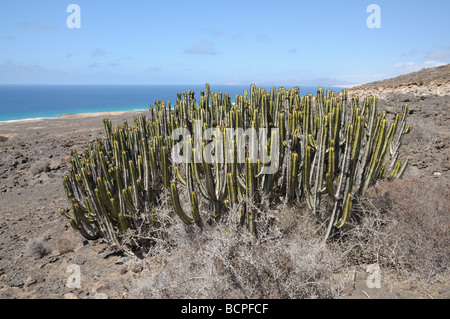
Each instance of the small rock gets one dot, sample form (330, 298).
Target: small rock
(436, 174)
(123, 270)
(55, 253)
(44, 178)
(17, 155)
(53, 259)
(66, 159)
(30, 281)
(16, 283)
(69, 144)
(413, 110)
(70, 296)
(136, 268)
(40, 278)
(444, 291)
(54, 165)
(99, 287)
(439, 145)
(445, 166)
(33, 182)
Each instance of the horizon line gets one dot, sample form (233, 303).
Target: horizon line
(176, 84)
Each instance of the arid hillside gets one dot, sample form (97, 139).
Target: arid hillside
(403, 226)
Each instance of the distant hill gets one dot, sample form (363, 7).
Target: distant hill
(424, 77)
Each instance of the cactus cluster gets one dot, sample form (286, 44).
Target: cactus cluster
(233, 155)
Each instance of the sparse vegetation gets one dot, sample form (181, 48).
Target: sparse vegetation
(39, 167)
(288, 261)
(127, 190)
(3, 138)
(420, 231)
(38, 247)
(65, 243)
(401, 225)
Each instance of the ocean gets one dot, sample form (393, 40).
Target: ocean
(21, 102)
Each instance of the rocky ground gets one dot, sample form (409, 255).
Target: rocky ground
(36, 243)
(427, 94)
(38, 248)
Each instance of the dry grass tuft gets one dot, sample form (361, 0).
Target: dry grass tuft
(66, 243)
(37, 247)
(402, 224)
(225, 261)
(422, 223)
(39, 167)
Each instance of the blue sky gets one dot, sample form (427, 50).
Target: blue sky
(221, 42)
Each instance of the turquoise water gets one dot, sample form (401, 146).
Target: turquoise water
(19, 102)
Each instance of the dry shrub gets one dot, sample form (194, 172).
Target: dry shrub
(39, 167)
(66, 243)
(225, 261)
(402, 224)
(421, 208)
(37, 247)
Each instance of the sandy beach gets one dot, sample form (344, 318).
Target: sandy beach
(65, 123)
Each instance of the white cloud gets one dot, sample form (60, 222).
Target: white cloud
(433, 64)
(439, 55)
(413, 66)
(202, 47)
(98, 52)
(237, 36)
(262, 37)
(95, 65)
(8, 38)
(405, 65)
(18, 72)
(213, 31)
(13, 67)
(153, 69)
(360, 76)
(40, 26)
(411, 53)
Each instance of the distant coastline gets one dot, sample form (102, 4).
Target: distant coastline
(30, 119)
(33, 102)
